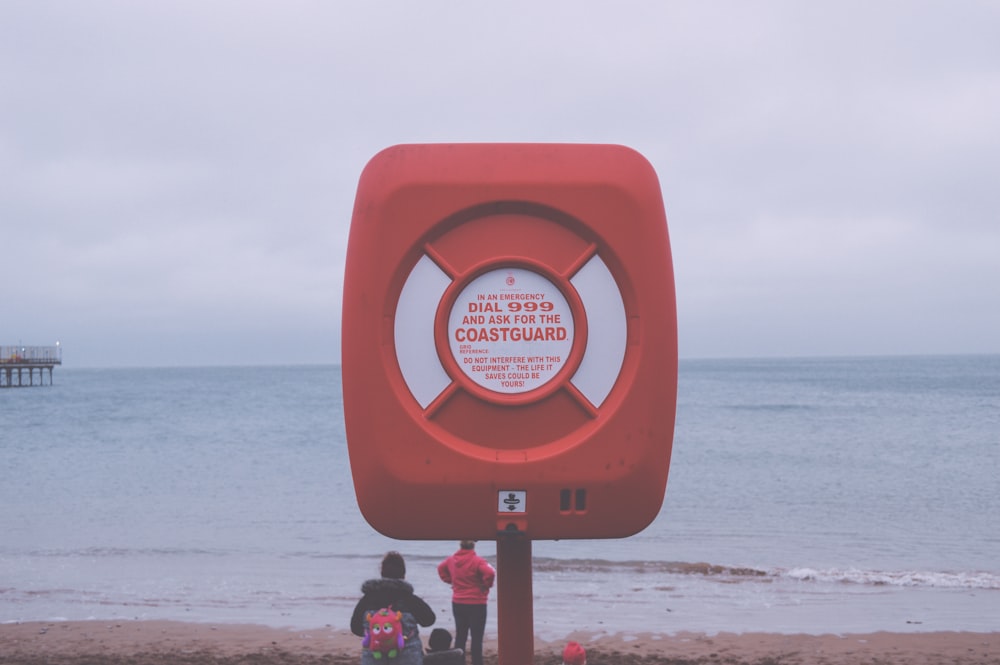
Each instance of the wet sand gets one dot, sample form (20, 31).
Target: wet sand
(163, 642)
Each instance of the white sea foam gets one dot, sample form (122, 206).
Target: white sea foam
(940, 580)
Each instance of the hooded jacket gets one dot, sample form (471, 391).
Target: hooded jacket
(398, 594)
(469, 575)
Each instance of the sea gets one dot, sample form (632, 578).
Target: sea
(817, 495)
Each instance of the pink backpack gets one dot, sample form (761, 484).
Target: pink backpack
(383, 633)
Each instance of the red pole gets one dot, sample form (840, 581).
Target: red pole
(515, 617)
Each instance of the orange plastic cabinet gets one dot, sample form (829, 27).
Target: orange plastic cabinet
(509, 342)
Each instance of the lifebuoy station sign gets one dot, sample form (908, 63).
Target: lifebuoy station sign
(510, 330)
(509, 342)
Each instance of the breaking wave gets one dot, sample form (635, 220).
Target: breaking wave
(731, 574)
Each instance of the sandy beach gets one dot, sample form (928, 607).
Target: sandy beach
(163, 642)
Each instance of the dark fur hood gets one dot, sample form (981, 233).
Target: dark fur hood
(387, 586)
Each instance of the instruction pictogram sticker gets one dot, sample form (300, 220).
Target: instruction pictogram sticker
(512, 501)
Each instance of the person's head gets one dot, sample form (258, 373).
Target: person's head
(574, 654)
(393, 566)
(440, 640)
(468, 544)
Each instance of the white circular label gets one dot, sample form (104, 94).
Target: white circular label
(510, 330)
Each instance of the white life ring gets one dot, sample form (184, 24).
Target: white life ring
(417, 349)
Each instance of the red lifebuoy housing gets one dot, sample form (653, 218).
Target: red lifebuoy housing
(509, 341)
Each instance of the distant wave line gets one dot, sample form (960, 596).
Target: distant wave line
(981, 580)
(936, 579)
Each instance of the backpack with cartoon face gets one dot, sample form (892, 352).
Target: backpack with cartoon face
(383, 632)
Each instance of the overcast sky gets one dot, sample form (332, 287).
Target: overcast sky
(177, 178)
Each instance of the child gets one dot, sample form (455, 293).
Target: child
(439, 651)
(574, 654)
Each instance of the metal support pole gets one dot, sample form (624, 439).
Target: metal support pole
(515, 614)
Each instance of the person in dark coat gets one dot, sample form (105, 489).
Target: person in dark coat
(439, 650)
(393, 591)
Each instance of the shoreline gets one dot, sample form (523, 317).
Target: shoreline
(157, 642)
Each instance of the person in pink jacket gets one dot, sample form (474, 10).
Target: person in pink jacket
(471, 578)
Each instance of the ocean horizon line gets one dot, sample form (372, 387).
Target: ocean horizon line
(681, 360)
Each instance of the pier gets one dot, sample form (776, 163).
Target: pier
(18, 364)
